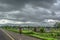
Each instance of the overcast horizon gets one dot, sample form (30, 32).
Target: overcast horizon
(33, 12)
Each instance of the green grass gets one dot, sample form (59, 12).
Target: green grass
(40, 35)
(13, 30)
(45, 38)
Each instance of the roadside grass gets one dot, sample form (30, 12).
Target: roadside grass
(12, 29)
(44, 36)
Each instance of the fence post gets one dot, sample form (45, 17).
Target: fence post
(34, 29)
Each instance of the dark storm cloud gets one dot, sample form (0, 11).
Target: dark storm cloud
(17, 4)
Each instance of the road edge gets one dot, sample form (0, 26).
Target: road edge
(8, 35)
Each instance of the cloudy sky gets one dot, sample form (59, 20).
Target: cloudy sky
(35, 12)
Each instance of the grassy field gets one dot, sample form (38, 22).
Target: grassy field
(44, 36)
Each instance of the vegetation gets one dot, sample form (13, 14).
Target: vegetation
(42, 34)
(57, 24)
(42, 30)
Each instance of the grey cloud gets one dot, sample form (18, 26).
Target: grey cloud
(34, 15)
(30, 10)
(18, 4)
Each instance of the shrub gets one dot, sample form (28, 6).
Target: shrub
(58, 34)
(42, 30)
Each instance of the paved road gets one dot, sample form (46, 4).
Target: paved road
(3, 36)
(17, 36)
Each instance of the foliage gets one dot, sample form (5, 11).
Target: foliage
(42, 34)
(42, 30)
(57, 24)
(58, 34)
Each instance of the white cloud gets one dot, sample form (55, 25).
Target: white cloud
(5, 21)
(2, 21)
(51, 21)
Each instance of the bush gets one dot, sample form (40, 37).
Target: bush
(58, 34)
(42, 30)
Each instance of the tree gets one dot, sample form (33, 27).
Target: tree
(57, 25)
(42, 30)
(20, 30)
(34, 29)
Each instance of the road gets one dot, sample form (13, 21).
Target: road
(18, 36)
(3, 36)
(15, 36)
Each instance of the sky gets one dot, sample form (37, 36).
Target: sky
(30, 12)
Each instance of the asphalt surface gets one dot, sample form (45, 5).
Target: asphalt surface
(18, 36)
(3, 36)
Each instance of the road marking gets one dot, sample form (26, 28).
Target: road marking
(8, 34)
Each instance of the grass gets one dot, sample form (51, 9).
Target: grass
(12, 29)
(45, 38)
(40, 35)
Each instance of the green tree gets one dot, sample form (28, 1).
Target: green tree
(42, 30)
(57, 25)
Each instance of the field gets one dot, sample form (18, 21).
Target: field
(52, 35)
